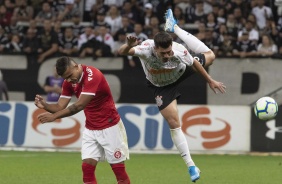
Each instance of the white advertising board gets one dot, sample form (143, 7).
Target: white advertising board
(216, 128)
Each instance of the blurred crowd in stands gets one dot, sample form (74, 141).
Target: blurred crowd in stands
(41, 29)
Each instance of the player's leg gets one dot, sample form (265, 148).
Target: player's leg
(116, 151)
(88, 170)
(91, 152)
(170, 113)
(196, 45)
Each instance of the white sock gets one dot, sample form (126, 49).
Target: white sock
(196, 45)
(181, 144)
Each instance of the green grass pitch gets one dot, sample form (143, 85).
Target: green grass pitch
(24, 167)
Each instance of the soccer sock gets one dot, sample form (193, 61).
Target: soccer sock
(196, 45)
(181, 144)
(88, 174)
(121, 175)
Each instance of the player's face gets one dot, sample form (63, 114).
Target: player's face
(164, 53)
(73, 74)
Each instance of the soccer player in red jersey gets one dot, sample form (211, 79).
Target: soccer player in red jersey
(104, 136)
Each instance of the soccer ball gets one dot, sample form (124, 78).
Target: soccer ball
(266, 108)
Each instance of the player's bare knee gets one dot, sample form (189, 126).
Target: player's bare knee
(173, 123)
(90, 161)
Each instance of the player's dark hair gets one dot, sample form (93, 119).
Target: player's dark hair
(163, 39)
(62, 64)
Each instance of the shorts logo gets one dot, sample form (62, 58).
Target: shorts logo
(159, 100)
(117, 154)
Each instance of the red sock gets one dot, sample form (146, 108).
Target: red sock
(121, 175)
(88, 174)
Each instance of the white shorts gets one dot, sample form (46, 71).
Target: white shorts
(108, 144)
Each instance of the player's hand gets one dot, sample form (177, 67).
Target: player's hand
(46, 117)
(132, 41)
(39, 102)
(217, 85)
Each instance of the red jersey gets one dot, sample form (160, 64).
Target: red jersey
(101, 112)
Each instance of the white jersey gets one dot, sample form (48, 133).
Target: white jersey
(163, 73)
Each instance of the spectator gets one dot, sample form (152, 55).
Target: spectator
(270, 29)
(48, 42)
(14, 46)
(31, 45)
(13, 28)
(239, 18)
(133, 16)
(88, 5)
(70, 10)
(154, 24)
(148, 14)
(267, 47)
(3, 89)
(99, 6)
(86, 36)
(232, 27)
(210, 41)
(226, 46)
(46, 13)
(262, 13)
(105, 37)
(23, 12)
(57, 27)
(10, 5)
(253, 33)
(211, 21)
(121, 39)
(126, 27)
(113, 18)
(77, 27)
(5, 16)
(53, 87)
(244, 47)
(221, 16)
(3, 39)
(178, 13)
(201, 33)
(195, 13)
(101, 15)
(68, 43)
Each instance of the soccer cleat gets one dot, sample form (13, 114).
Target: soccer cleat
(194, 173)
(169, 21)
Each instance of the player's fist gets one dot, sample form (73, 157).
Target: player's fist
(39, 101)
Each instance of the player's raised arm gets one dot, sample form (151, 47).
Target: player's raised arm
(126, 49)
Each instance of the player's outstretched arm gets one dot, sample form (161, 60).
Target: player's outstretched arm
(126, 49)
(52, 108)
(212, 83)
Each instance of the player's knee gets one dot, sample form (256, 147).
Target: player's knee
(210, 57)
(90, 161)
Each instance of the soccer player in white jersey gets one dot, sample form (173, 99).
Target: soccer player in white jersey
(166, 64)
(104, 136)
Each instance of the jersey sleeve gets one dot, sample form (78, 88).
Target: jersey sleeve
(92, 80)
(143, 49)
(67, 91)
(183, 54)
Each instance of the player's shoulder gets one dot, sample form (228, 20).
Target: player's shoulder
(178, 46)
(148, 43)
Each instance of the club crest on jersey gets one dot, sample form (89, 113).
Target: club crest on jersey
(159, 101)
(117, 154)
